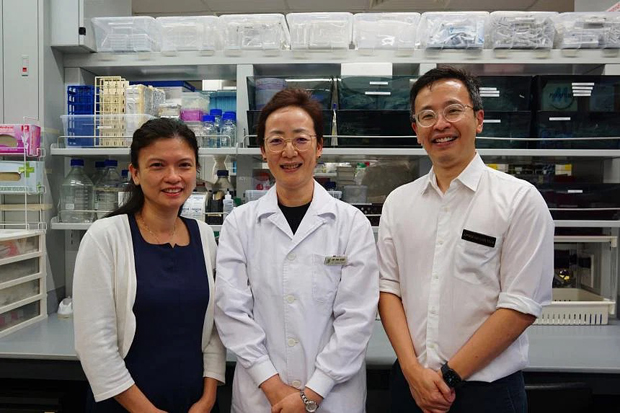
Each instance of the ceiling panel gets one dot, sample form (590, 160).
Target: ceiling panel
(188, 7)
(154, 7)
(327, 5)
(245, 6)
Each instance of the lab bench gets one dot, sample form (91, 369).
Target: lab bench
(561, 350)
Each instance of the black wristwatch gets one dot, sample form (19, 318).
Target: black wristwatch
(451, 377)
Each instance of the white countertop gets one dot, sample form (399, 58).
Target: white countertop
(570, 349)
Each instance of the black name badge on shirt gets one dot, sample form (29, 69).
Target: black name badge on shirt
(478, 238)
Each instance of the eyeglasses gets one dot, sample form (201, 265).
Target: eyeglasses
(451, 113)
(301, 143)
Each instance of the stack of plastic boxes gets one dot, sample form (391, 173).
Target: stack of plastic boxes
(521, 30)
(389, 31)
(80, 101)
(589, 31)
(23, 295)
(262, 32)
(507, 112)
(451, 30)
(578, 112)
(374, 106)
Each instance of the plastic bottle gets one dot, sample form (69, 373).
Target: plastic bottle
(209, 131)
(107, 189)
(228, 204)
(123, 193)
(99, 171)
(76, 195)
(360, 173)
(220, 188)
(228, 130)
(217, 114)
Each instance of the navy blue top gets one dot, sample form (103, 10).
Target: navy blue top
(165, 359)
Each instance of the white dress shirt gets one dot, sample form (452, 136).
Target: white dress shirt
(282, 310)
(449, 286)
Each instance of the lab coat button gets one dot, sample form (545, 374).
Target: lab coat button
(290, 299)
(291, 342)
(296, 384)
(291, 257)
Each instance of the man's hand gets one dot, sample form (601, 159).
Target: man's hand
(429, 390)
(294, 404)
(275, 390)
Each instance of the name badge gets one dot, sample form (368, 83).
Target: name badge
(478, 238)
(336, 260)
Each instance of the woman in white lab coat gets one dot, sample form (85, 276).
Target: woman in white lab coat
(297, 279)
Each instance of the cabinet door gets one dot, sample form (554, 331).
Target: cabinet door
(21, 90)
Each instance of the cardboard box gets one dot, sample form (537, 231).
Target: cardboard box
(20, 177)
(15, 137)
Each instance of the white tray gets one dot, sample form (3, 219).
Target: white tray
(573, 306)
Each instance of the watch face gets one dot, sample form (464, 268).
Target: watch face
(311, 406)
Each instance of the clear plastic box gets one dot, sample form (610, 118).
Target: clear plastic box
(589, 30)
(198, 33)
(385, 30)
(127, 34)
(320, 31)
(267, 32)
(451, 30)
(254, 194)
(101, 130)
(521, 30)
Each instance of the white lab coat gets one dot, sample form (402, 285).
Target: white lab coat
(282, 310)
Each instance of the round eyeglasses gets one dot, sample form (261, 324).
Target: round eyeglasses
(301, 143)
(451, 113)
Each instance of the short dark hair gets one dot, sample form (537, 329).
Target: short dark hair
(146, 135)
(471, 82)
(291, 97)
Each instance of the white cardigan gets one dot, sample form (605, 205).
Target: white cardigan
(104, 289)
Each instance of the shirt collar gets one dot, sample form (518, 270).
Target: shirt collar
(322, 203)
(470, 176)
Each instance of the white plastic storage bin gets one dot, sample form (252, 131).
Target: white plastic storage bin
(521, 30)
(451, 30)
(574, 306)
(199, 33)
(23, 295)
(385, 30)
(127, 34)
(589, 30)
(320, 31)
(267, 32)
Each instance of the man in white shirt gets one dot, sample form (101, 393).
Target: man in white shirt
(466, 264)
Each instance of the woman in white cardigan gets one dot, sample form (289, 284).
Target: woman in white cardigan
(143, 288)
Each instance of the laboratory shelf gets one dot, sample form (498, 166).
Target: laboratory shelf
(105, 151)
(76, 151)
(192, 65)
(84, 226)
(612, 240)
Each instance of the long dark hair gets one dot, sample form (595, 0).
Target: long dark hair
(146, 135)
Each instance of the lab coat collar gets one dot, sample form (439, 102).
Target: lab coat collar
(322, 207)
(470, 176)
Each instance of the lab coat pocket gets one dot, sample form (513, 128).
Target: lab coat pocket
(476, 263)
(325, 280)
